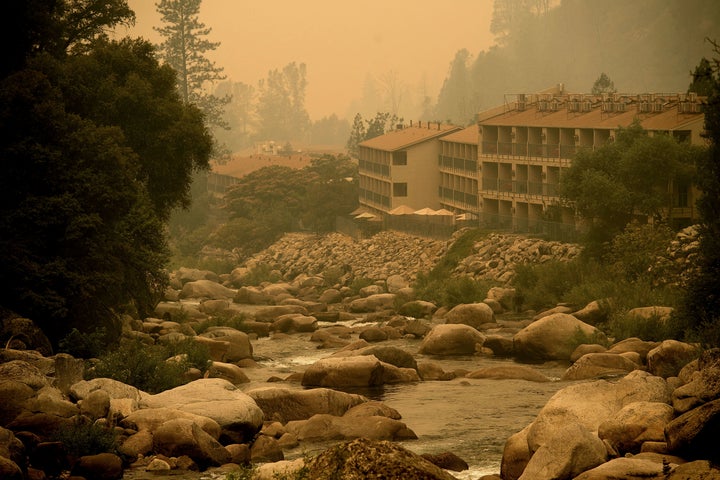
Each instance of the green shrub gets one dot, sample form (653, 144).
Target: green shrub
(197, 355)
(83, 437)
(142, 366)
(452, 291)
(540, 286)
(84, 345)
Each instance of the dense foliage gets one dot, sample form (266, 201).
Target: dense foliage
(628, 178)
(184, 48)
(277, 199)
(97, 148)
(701, 307)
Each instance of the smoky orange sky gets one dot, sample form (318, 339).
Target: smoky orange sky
(341, 42)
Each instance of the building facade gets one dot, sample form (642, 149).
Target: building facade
(399, 168)
(524, 150)
(504, 171)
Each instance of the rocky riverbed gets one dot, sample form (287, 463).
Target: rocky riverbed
(312, 378)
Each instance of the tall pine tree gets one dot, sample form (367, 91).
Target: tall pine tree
(184, 49)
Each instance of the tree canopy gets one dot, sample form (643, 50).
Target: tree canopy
(626, 178)
(701, 309)
(184, 49)
(276, 199)
(97, 148)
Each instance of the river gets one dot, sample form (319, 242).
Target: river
(469, 417)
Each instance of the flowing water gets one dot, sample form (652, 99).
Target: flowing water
(469, 417)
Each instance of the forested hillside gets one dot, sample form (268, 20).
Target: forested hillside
(643, 46)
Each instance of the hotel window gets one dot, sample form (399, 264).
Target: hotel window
(399, 189)
(399, 158)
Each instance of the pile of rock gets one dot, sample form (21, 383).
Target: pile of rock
(680, 260)
(384, 254)
(496, 256)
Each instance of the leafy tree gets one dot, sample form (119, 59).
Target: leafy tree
(457, 101)
(357, 135)
(701, 309)
(239, 114)
(121, 83)
(603, 84)
(329, 130)
(81, 209)
(611, 185)
(184, 49)
(281, 104)
(702, 79)
(277, 199)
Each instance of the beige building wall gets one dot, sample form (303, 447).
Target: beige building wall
(420, 175)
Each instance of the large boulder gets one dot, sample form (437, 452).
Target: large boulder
(554, 337)
(693, 435)
(627, 468)
(670, 357)
(286, 404)
(206, 289)
(115, 389)
(451, 339)
(591, 403)
(355, 371)
(363, 458)
(182, 436)
(103, 466)
(238, 344)
(595, 365)
(273, 312)
(635, 424)
(504, 372)
(702, 386)
(324, 427)
(471, 314)
(150, 419)
(569, 450)
(237, 413)
(385, 353)
(372, 303)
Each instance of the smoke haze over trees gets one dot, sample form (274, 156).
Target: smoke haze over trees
(648, 46)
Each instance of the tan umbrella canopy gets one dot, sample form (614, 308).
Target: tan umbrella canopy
(425, 211)
(443, 212)
(402, 210)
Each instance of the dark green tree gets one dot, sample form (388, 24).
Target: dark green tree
(81, 209)
(603, 84)
(703, 81)
(701, 309)
(184, 48)
(457, 101)
(626, 179)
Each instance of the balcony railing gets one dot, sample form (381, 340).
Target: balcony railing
(536, 150)
(520, 187)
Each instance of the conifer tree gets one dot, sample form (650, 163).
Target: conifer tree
(184, 49)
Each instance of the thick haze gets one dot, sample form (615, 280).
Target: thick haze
(340, 42)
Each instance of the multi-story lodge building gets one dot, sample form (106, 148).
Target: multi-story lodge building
(399, 168)
(505, 169)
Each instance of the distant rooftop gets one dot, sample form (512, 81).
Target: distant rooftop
(469, 135)
(656, 111)
(407, 136)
